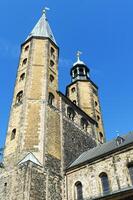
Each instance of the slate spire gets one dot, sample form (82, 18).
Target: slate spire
(42, 29)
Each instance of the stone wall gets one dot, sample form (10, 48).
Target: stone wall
(115, 166)
(75, 140)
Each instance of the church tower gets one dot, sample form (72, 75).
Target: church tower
(47, 130)
(84, 93)
(35, 89)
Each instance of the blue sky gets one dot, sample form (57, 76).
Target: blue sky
(101, 29)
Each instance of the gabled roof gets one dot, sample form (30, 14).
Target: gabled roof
(30, 157)
(42, 29)
(102, 150)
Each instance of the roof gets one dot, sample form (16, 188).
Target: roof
(30, 157)
(79, 62)
(42, 29)
(103, 149)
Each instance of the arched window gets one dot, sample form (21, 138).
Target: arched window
(24, 61)
(51, 99)
(75, 73)
(22, 76)
(51, 63)
(81, 71)
(84, 124)
(19, 97)
(101, 137)
(96, 103)
(52, 51)
(51, 78)
(98, 117)
(79, 191)
(73, 89)
(70, 113)
(130, 169)
(26, 48)
(105, 183)
(13, 134)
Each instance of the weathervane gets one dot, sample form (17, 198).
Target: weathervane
(45, 9)
(78, 55)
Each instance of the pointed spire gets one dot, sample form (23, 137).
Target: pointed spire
(42, 28)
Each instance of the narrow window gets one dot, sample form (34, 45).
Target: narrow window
(81, 71)
(51, 63)
(84, 124)
(24, 61)
(51, 78)
(105, 183)
(51, 99)
(79, 191)
(73, 89)
(19, 97)
(130, 169)
(101, 137)
(13, 134)
(98, 118)
(75, 72)
(52, 51)
(96, 103)
(5, 184)
(70, 113)
(26, 48)
(22, 76)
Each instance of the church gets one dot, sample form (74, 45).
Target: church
(55, 145)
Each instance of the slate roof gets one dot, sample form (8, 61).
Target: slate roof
(42, 29)
(103, 149)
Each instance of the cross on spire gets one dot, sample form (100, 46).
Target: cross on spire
(78, 55)
(45, 10)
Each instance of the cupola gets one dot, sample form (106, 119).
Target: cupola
(79, 71)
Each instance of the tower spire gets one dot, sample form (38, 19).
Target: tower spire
(78, 55)
(42, 28)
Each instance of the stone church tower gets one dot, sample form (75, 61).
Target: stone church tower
(47, 130)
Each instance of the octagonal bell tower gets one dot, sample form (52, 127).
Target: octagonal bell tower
(84, 93)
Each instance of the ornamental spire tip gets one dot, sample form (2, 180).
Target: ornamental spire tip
(78, 55)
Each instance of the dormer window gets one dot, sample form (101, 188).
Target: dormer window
(70, 113)
(119, 140)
